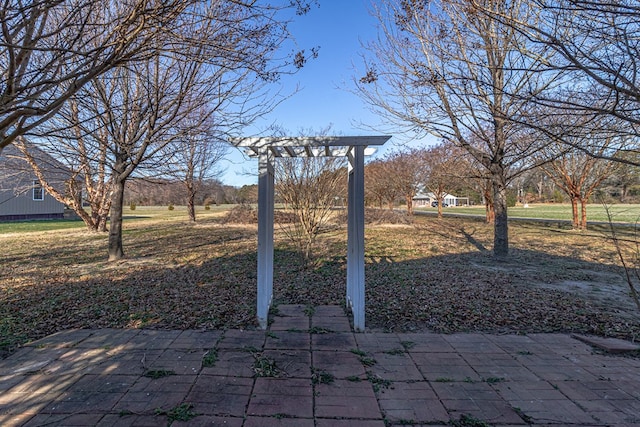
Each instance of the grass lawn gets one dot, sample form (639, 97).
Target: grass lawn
(141, 213)
(434, 274)
(595, 212)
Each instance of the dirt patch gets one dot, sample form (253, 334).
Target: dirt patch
(612, 294)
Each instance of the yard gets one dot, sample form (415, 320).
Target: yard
(596, 212)
(434, 274)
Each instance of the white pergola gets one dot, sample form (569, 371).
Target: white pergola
(267, 150)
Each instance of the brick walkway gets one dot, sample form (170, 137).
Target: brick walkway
(309, 369)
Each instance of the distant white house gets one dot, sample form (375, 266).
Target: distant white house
(427, 199)
(21, 195)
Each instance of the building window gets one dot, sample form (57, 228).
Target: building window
(38, 191)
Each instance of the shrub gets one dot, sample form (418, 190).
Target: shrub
(207, 207)
(132, 206)
(380, 216)
(171, 206)
(242, 214)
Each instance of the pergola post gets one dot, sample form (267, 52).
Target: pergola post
(355, 236)
(265, 235)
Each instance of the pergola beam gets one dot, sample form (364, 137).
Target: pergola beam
(267, 150)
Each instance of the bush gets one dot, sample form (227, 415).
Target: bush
(379, 216)
(242, 214)
(132, 206)
(171, 206)
(207, 207)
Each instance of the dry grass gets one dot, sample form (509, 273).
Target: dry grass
(434, 274)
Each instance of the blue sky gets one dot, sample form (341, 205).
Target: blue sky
(338, 27)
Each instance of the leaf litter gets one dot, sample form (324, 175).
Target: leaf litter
(436, 275)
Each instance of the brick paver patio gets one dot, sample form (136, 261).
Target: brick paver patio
(309, 369)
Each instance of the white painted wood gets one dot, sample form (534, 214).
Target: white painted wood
(309, 141)
(265, 236)
(355, 238)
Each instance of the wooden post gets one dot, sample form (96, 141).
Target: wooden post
(265, 235)
(355, 237)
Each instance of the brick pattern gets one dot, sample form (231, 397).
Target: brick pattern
(310, 370)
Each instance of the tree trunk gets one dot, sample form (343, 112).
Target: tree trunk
(501, 226)
(583, 213)
(191, 204)
(490, 211)
(409, 200)
(623, 193)
(116, 251)
(102, 224)
(575, 220)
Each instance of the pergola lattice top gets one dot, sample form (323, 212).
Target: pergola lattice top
(315, 146)
(267, 150)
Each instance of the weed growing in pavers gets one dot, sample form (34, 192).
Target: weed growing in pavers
(354, 378)
(358, 352)
(321, 377)
(309, 310)
(468, 421)
(395, 352)
(182, 412)
(494, 380)
(272, 335)
(469, 380)
(274, 310)
(365, 359)
(404, 422)
(407, 344)
(525, 353)
(125, 412)
(250, 349)
(526, 418)
(320, 330)
(158, 373)
(297, 330)
(281, 415)
(444, 380)
(378, 382)
(368, 361)
(209, 359)
(264, 366)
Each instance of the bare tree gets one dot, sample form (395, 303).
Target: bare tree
(308, 186)
(131, 112)
(406, 173)
(377, 184)
(50, 49)
(596, 53)
(77, 144)
(577, 173)
(238, 98)
(442, 170)
(195, 157)
(443, 68)
(625, 177)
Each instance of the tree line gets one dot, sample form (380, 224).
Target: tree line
(445, 168)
